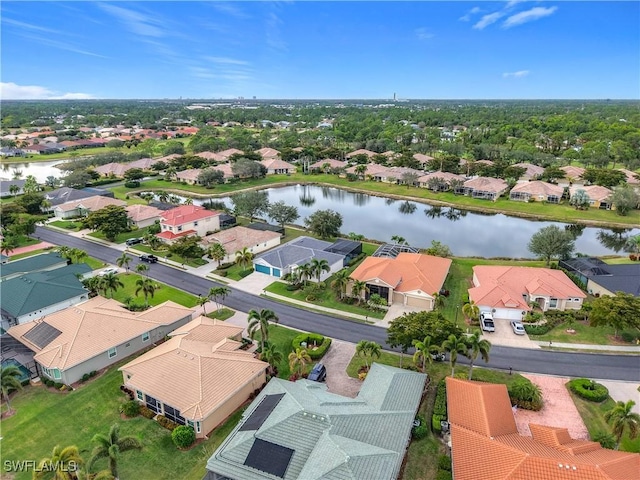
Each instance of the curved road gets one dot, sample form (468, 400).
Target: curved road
(599, 366)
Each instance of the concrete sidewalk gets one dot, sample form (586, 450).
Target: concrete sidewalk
(599, 348)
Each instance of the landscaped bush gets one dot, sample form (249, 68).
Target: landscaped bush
(526, 395)
(224, 266)
(132, 184)
(440, 404)
(444, 463)
(222, 273)
(92, 373)
(444, 475)
(183, 436)
(630, 337)
(58, 385)
(245, 273)
(166, 423)
(436, 427)
(356, 259)
(605, 439)
(419, 432)
(323, 344)
(47, 382)
(130, 409)
(589, 390)
(146, 412)
(85, 377)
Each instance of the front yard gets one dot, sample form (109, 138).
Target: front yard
(162, 294)
(192, 262)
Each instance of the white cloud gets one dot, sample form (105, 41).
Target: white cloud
(531, 15)
(229, 9)
(30, 26)
(12, 91)
(518, 74)
(137, 23)
(274, 34)
(424, 34)
(467, 16)
(227, 60)
(488, 19)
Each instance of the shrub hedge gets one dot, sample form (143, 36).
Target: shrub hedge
(312, 339)
(439, 407)
(444, 475)
(130, 408)
(146, 412)
(444, 463)
(166, 423)
(589, 390)
(183, 436)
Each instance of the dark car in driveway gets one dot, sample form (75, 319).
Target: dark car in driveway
(133, 241)
(149, 258)
(318, 373)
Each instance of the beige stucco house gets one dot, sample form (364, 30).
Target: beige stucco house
(236, 238)
(83, 207)
(536, 191)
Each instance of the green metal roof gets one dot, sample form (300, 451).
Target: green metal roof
(31, 264)
(334, 437)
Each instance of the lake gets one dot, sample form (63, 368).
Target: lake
(40, 170)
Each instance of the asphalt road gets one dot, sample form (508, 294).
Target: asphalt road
(596, 366)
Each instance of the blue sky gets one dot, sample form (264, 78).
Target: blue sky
(323, 50)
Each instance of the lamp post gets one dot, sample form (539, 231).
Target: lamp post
(457, 307)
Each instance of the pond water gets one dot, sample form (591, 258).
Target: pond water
(40, 170)
(466, 233)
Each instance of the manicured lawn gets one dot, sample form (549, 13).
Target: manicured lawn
(45, 419)
(67, 224)
(282, 337)
(31, 253)
(164, 293)
(584, 334)
(25, 241)
(94, 263)
(593, 416)
(194, 262)
(223, 314)
(123, 237)
(236, 272)
(619, 260)
(325, 298)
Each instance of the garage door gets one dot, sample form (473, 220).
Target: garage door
(508, 313)
(262, 269)
(418, 302)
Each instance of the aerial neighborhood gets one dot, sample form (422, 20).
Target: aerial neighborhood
(301, 290)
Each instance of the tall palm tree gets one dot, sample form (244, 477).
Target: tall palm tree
(188, 201)
(360, 170)
(454, 345)
(202, 301)
(340, 282)
(142, 268)
(476, 346)
(163, 196)
(14, 189)
(633, 244)
(77, 255)
(424, 349)
(64, 252)
(217, 252)
(123, 261)
(398, 240)
(8, 245)
(368, 350)
(111, 283)
(298, 360)
(63, 464)
(110, 446)
(10, 380)
(260, 321)
(244, 258)
(147, 287)
(622, 418)
(147, 197)
(218, 294)
(318, 267)
(304, 272)
(273, 357)
(358, 288)
(438, 300)
(471, 310)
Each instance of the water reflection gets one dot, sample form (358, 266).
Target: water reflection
(306, 198)
(575, 230)
(361, 199)
(407, 208)
(616, 239)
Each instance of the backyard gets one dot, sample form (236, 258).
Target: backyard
(162, 294)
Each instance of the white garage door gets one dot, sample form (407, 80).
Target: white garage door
(508, 314)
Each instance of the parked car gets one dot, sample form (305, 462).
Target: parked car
(438, 357)
(148, 258)
(517, 327)
(486, 322)
(318, 373)
(133, 241)
(107, 271)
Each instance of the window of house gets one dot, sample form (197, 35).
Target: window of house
(112, 352)
(56, 374)
(145, 336)
(180, 228)
(198, 427)
(195, 224)
(140, 395)
(553, 303)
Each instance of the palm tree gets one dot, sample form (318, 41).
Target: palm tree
(477, 346)
(63, 464)
(471, 310)
(14, 189)
(298, 360)
(424, 349)
(304, 272)
(368, 350)
(438, 300)
(163, 196)
(340, 282)
(218, 294)
(621, 418)
(454, 346)
(93, 284)
(147, 287)
(318, 267)
(358, 288)
(123, 261)
(8, 245)
(260, 321)
(142, 268)
(358, 237)
(10, 380)
(202, 301)
(244, 258)
(110, 446)
(153, 241)
(188, 201)
(64, 252)
(633, 244)
(360, 170)
(273, 357)
(111, 283)
(217, 252)
(77, 254)
(398, 240)
(147, 197)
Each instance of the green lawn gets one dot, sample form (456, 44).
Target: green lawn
(584, 333)
(282, 337)
(236, 272)
(618, 260)
(67, 224)
(124, 236)
(94, 263)
(223, 314)
(164, 293)
(45, 419)
(31, 253)
(194, 262)
(324, 298)
(593, 416)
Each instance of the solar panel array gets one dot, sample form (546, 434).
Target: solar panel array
(269, 457)
(42, 334)
(262, 411)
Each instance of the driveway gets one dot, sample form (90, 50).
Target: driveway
(336, 361)
(505, 337)
(623, 392)
(396, 310)
(255, 283)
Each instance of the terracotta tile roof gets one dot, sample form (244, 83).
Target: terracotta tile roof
(531, 169)
(189, 174)
(487, 184)
(372, 169)
(422, 158)
(595, 192)
(168, 158)
(333, 163)
(169, 235)
(144, 163)
(572, 172)
(90, 203)
(230, 151)
(236, 238)
(446, 176)
(117, 169)
(503, 286)
(408, 272)
(361, 151)
(211, 156)
(479, 412)
(632, 177)
(272, 163)
(95, 326)
(138, 213)
(485, 162)
(186, 213)
(203, 362)
(267, 153)
(538, 188)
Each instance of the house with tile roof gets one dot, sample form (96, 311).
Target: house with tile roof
(372, 171)
(298, 430)
(361, 151)
(633, 178)
(573, 173)
(83, 207)
(531, 172)
(422, 158)
(268, 153)
(487, 188)
(507, 291)
(230, 151)
(235, 239)
(439, 181)
(332, 164)
(32, 295)
(485, 443)
(113, 169)
(599, 197)
(536, 191)
(188, 220)
(275, 166)
(409, 279)
(602, 278)
(211, 157)
(198, 377)
(143, 215)
(95, 334)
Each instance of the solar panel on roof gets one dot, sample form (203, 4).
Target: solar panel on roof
(42, 334)
(262, 411)
(269, 457)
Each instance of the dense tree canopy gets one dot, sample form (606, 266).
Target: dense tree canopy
(110, 220)
(551, 242)
(324, 223)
